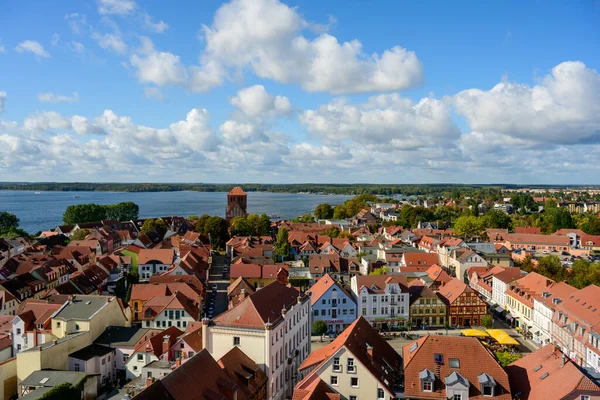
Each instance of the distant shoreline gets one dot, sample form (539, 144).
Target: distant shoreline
(308, 188)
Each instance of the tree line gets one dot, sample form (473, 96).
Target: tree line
(81, 213)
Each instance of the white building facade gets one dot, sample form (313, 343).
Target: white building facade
(382, 300)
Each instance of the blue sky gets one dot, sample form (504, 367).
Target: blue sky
(307, 91)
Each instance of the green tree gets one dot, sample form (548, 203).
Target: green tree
(306, 218)
(345, 235)
(8, 221)
(379, 271)
(79, 234)
(80, 213)
(551, 267)
(251, 225)
(340, 212)
(216, 228)
(584, 273)
(505, 358)
(496, 219)
(487, 321)
(157, 225)
(591, 226)
(125, 211)
(332, 232)
(264, 225)
(319, 327)
(201, 222)
(283, 249)
(323, 211)
(468, 226)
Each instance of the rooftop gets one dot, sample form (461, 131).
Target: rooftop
(91, 351)
(83, 307)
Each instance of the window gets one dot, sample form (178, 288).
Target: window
(457, 397)
(76, 327)
(427, 386)
(351, 365)
(380, 394)
(353, 398)
(149, 374)
(18, 347)
(322, 312)
(76, 367)
(316, 313)
(354, 382)
(585, 397)
(103, 361)
(454, 363)
(58, 324)
(336, 364)
(488, 390)
(333, 380)
(140, 357)
(236, 340)
(135, 367)
(18, 331)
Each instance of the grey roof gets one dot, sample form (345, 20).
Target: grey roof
(121, 335)
(91, 351)
(54, 378)
(36, 394)
(455, 378)
(426, 375)
(160, 364)
(485, 378)
(82, 307)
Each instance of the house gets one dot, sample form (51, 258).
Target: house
(463, 259)
(576, 327)
(154, 262)
(590, 242)
(465, 308)
(238, 291)
(540, 243)
(547, 374)
(519, 298)
(544, 306)
(200, 377)
(124, 340)
(383, 300)
(437, 277)
(246, 374)
(188, 344)
(500, 282)
(259, 275)
(529, 230)
(272, 327)
(453, 367)
(95, 359)
(142, 293)
(8, 303)
(162, 312)
(358, 364)
(332, 304)
(153, 349)
(415, 259)
(337, 267)
(32, 326)
(427, 309)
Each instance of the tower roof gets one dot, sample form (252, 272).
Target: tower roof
(237, 191)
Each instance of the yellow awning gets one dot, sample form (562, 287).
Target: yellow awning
(473, 333)
(502, 337)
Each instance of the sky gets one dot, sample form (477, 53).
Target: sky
(267, 91)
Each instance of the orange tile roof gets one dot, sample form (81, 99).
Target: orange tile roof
(436, 273)
(420, 258)
(453, 289)
(165, 256)
(237, 191)
(561, 380)
(314, 388)
(242, 370)
(377, 283)
(321, 286)
(509, 274)
(530, 285)
(551, 240)
(528, 230)
(474, 360)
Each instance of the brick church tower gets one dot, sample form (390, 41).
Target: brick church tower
(236, 204)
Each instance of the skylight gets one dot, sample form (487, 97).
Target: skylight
(536, 369)
(544, 376)
(413, 347)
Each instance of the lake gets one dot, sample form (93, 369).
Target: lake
(44, 211)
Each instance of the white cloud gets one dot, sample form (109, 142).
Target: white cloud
(254, 101)
(82, 126)
(153, 93)
(111, 41)
(77, 23)
(388, 120)
(205, 77)
(158, 27)
(52, 98)
(34, 47)
(55, 39)
(160, 68)
(563, 108)
(45, 121)
(77, 47)
(266, 36)
(195, 132)
(2, 101)
(120, 7)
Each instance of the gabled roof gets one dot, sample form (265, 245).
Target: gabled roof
(551, 240)
(164, 256)
(314, 388)
(420, 258)
(260, 307)
(323, 285)
(560, 380)
(453, 289)
(474, 360)
(436, 273)
(243, 371)
(155, 343)
(378, 283)
(359, 338)
(509, 274)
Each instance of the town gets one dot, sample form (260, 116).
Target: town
(375, 298)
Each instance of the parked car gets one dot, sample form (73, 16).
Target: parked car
(214, 287)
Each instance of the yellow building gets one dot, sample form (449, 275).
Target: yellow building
(426, 308)
(75, 325)
(259, 275)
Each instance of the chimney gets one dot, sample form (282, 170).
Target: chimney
(369, 351)
(562, 363)
(178, 362)
(148, 382)
(148, 348)
(165, 346)
(205, 323)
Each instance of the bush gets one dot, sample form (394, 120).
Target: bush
(487, 321)
(505, 358)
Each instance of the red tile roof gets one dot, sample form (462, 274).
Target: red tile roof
(561, 380)
(528, 230)
(237, 191)
(474, 360)
(420, 258)
(321, 286)
(550, 240)
(314, 388)
(530, 285)
(244, 372)
(164, 256)
(453, 289)
(378, 283)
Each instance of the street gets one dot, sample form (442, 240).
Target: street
(216, 277)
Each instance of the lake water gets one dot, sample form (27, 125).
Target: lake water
(44, 211)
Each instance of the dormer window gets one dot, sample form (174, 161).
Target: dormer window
(427, 380)
(487, 385)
